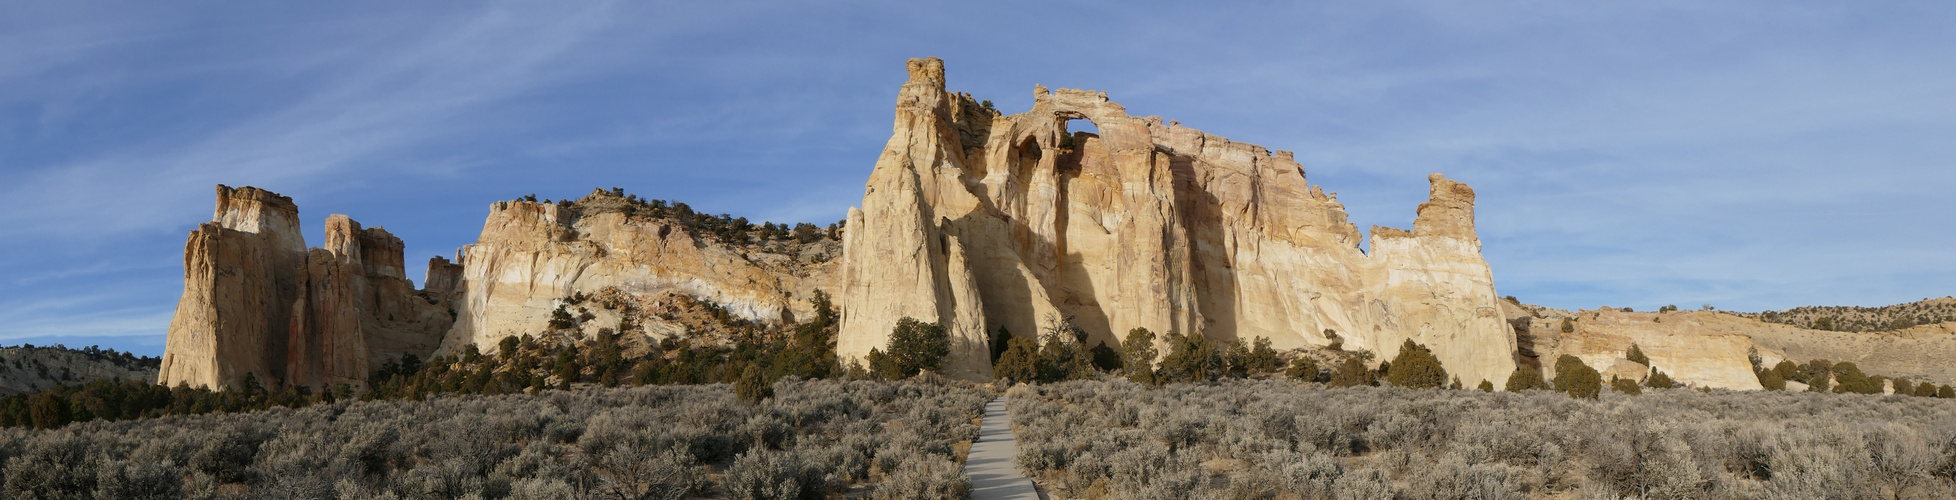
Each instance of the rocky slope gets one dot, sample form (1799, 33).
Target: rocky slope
(981, 221)
(257, 302)
(1712, 348)
(532, 258)
(1864, 319)
(27, 369)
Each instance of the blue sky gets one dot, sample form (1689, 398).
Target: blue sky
(1748, 155)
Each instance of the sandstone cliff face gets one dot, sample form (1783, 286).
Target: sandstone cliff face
(531, 255)
(1710, 348)
(980, 221)
(240, 281)
(1696, 348)
(257, 302)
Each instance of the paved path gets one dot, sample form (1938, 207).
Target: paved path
(990, 464)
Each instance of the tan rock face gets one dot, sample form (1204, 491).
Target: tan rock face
(1710, 348)
(255, 301)
(1696, 348)
(981, 222)
(531, 254)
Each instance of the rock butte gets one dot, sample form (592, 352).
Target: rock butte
(979, 221)
(256, 301)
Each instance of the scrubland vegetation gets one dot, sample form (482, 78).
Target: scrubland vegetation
(1284, 439)
(726, 228)
(1863, 319)
(809, 440)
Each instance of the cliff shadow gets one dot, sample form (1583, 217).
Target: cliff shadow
(1201, 217)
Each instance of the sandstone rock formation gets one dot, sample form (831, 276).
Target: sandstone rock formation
(981, 221)
(257, 302)
(240, 281)
(1711, 348)
(1696, 348)
(532, 255)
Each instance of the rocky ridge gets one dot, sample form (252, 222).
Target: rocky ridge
(1864, 319)
(1713, 348)
(28, 369)
(532, 258)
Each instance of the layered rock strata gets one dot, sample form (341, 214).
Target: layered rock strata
(257, 302)
(981, 221)
(1713, 348)
(530, 256)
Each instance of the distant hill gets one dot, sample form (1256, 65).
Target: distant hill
(1863, 319)
(26, 369)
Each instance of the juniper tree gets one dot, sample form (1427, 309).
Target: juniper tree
(1351, 373)
(1415, 367)
(1525, 377)
(1636, 355)
(1138, 356)
(1303, 368)
(1577, 379)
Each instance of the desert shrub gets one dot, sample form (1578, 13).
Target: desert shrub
(1625, 386)
(1577, 379)
(914, 346)
(1278, 438)
(1925, 390)
(1848, 378)
(1657, 379)
(753, 386)
(48, 410)
(1791, 371)
(1351, 373)
(762, 475)
(1062, 351)
(1568, 325)
(53, 466)
(1771, 380)
(1455, 478)
(122, 479)
(1191, 358)
(1259, 359)
(645, 442)
(1415, 367)
(1138, 356)
(1020, 362)
(1304, 369)
(1525, 377)
(1105, 358)
(1636, 355)
(925, 477)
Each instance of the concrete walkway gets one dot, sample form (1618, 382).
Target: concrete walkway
(990, 464)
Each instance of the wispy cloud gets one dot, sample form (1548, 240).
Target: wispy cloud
(390, 98)
(1625, 154)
